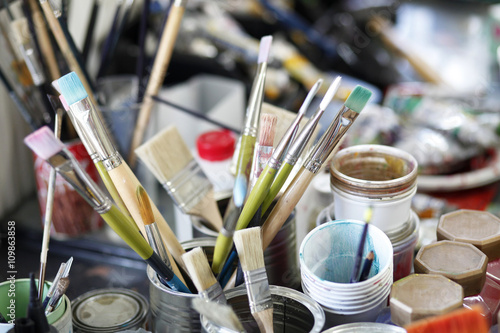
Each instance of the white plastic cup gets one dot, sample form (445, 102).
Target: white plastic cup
(327, 257)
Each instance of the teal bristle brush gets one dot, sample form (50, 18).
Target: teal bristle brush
(47, 146)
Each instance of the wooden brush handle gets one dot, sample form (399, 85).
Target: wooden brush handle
(44, 41)
(157, 76)
(285, 205)
(126, 184)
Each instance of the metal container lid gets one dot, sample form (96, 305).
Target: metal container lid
(460, 262)
(365, 328)
(109, 310)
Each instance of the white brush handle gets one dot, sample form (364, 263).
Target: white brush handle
(48, 216)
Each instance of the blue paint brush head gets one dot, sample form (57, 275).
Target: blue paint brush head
(72, 88)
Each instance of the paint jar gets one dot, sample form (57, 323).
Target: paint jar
(280, 256)
(366, 327)
(381, 177)
(110, 310)
(420, 296)
(72, 216)
(14, 298)
(460, 262)
(479, 228)
(293, 312)
(327, 257)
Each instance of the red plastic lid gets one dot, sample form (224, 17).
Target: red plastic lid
(216, 145)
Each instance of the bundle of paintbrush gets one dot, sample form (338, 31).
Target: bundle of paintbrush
(44, 144)
(169, 159)
(109, 162)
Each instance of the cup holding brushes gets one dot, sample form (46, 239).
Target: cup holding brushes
(45, 145)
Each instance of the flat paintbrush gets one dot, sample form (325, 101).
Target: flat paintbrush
(264, 147)
(167, 156)
(248, 243)
(49, 148)
(204, 280)
(320, 153)
(219, 314)
(125, 181)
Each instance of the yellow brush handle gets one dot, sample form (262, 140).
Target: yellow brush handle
(126, 184)
(115, 219)
(157, 76)
(285, 205)
(221, 251)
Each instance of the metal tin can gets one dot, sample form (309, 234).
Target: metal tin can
(109, 310)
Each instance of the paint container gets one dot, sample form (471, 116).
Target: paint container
(110, 310)
(381, 177)
(366, 328)
(327, 257)
(460, 262)
(479, 228)
(420, 296)
(17, 292)
(280, 256)
(293, 312)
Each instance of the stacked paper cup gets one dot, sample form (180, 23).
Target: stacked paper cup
(327, 257)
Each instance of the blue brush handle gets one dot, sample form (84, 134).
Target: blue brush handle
(359, 255)
(227, 270)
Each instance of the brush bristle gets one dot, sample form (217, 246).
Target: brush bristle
(248, 243)
(63, 102)
(358, 99)
(20, 30)
(267, 129)
(165, 154)
(72, 88)
(44, 143)
(310, 95)
(458, 321)
(370, 255)
(240, 190)
(265, 48)
(330, 93)
(144, 206)
(219, 314)
(198, 268)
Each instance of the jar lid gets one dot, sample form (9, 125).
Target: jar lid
(460, 262)
(216, 145)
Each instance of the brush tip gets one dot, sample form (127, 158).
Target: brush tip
(72, 88)
(199, 270)
(330, 93)
(43, 143)
(358, 99)
(144, 206)
(265, 48)
(267, 129)
(310, 95)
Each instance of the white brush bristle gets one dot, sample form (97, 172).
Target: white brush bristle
(248, 243)
(198, 268)
(265, 48)
(44, 143)
(310, 96)
(219, 314)
(330, 93)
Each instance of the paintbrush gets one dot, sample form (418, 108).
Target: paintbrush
(202, 276)
(90, 30)
(152, 231)
(319, 154)
(219, 314)
(62, 286)
(125, 181)
(32, 32)
(54, 284)
(106, 47)
(367, 265)
(167, 156)
(359, 254)
(248, 243)
(47, 225)
(298, 146)
(49, 148)
(264, 146)
(35, 311)
(160, 65)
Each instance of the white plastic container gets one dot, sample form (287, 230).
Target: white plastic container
(327, 257)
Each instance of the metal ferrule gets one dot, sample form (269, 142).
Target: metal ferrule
(155, 241)
(227, 233)
(303, 138)
(89, 121)
(259, 294)
(83, 137)
(330, 139)
(33, 64)
(255, 102)
(214, 293)
(67, 166)
(188, 186)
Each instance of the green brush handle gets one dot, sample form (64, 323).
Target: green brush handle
(221, 251)
(256, 197)
(279, 180)
(245, 156)
(114, 218)
(114, 193)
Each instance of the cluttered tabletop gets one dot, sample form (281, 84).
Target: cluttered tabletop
(250, 166)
